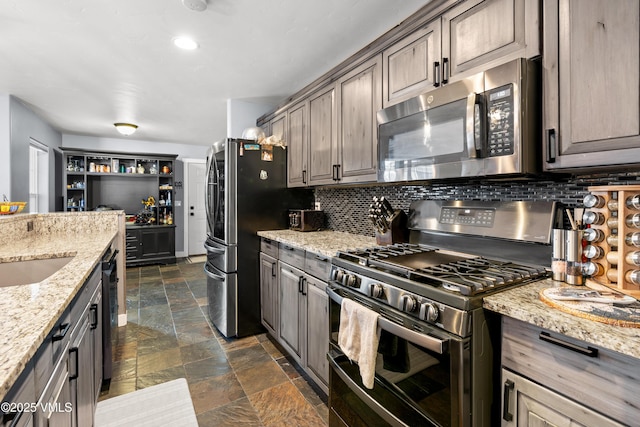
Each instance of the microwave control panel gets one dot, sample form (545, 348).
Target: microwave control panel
(500, 109)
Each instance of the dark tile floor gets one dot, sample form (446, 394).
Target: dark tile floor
(236, 382)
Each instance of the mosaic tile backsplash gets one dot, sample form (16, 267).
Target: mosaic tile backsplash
(346, 208)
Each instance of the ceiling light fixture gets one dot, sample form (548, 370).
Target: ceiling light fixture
(197, 5)
(185, 43)
(126, 129)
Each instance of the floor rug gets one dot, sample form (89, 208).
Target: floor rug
(166, 404)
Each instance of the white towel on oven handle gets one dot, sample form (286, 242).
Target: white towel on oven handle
(358, 337)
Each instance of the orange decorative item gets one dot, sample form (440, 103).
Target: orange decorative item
(165, 169)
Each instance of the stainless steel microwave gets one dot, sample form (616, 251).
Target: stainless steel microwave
(485, 125)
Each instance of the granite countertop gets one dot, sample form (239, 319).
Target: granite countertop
(29, 312)
(325, 243)
(523, 303)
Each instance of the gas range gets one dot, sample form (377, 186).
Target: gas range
(460, 252)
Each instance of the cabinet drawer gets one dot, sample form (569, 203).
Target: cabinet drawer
(269, 247)
(317, 265)
(292, 256)
(600, 379)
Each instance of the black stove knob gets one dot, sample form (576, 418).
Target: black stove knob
(377, 290)
(409, 303)
(429, 312)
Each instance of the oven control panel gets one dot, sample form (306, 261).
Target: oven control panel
(383, 294)
(478, 217)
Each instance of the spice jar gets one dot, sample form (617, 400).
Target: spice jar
(574, 257)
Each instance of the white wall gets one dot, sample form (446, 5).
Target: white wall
(5, 146)
(24, 125)
(243, 114)
(131, 145)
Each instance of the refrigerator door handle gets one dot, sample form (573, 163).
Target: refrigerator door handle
(213, 275)
(214, 250)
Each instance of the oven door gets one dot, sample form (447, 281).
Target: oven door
(419, 380)
(436, 135)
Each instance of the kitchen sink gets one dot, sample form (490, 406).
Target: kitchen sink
(31, 271)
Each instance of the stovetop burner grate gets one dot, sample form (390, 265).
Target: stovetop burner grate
(476, 275)
(460, 273)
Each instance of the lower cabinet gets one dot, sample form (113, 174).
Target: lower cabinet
(148, 244)
(292, 294)
(61, 383)
(269, 293)
(55, 407)
(529, 404)
(81, 372)
(317, 330)
(295, 307)
(549, 379)
(22, 391)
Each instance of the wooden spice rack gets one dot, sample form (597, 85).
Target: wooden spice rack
(616, 267)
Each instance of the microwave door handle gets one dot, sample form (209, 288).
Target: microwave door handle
(472, 102)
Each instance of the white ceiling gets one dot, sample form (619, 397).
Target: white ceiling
(84, 64)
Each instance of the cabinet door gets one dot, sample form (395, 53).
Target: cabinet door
(359, 99)
(528, 404)
(408, 66)
(269, 293)
(292, 309)
(297, 145)
(322, 137)
(279, 126)
(266, 128)
(157, 242)
(96, 341)
(591, 78)
(57, 395)
(317, 329)
(477, 32)
(81, 373)
(598, 378)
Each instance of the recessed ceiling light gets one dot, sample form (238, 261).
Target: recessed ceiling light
(185, 43)
(197, 5)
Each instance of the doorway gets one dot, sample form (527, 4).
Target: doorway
(196, 218)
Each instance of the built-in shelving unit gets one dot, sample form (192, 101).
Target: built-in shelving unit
(95, 180)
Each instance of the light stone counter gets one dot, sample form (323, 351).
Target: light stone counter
(325, 243)
(29, 312)
(523, 303)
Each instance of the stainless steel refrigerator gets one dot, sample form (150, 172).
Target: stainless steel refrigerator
(246, 192)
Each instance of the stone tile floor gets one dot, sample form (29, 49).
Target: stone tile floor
(233, 382)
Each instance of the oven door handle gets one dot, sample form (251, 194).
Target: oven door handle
(369, 401)
(429, 342)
